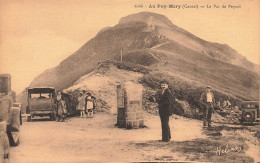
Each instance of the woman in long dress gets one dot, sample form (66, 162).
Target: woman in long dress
(61, 107)
(57, 100)
(62, 110)
(81, 105)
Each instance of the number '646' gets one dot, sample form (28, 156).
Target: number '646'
(139, 6)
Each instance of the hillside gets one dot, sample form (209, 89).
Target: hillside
(151, 40)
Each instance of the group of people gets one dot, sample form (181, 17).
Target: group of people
(86, 104)
(165, 98)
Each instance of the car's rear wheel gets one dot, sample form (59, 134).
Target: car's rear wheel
(29, 119)
(27, 110)
(52, 117)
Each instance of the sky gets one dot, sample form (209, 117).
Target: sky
(36, 35)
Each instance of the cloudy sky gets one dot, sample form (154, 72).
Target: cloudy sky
(38, 34)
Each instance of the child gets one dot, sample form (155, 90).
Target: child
(89, 105)
(81, 105)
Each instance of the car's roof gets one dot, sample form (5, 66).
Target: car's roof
(250, 101)
(5, 75)
(40, 89)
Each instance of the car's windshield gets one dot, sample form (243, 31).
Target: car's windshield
(41, 95)
(2, 85)
(251, 105)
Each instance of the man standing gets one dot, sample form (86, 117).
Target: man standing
(164, 99)
(208, 101)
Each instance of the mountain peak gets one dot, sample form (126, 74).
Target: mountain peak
(151, 40)
(147, 17)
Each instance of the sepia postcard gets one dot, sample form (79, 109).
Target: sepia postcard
(129, 81)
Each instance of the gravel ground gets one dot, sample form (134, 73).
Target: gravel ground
(98, 140)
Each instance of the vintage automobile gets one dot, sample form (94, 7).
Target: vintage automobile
(250, 112)
(9, 118)
(41, 102)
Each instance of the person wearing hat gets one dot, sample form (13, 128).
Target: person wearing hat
(164, 99)
(81, 104)
(208, 102)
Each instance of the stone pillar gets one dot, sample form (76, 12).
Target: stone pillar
(129, 104)
(121, 120)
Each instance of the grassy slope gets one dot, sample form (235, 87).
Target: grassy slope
(223, 77)
(183, 57)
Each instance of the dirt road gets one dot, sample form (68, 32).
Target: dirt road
(98, 140)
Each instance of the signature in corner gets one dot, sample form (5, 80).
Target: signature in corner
(220, 151)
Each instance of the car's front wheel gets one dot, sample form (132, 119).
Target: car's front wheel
(248, 117)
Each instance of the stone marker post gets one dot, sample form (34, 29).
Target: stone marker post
(121, 120)
(129, 105)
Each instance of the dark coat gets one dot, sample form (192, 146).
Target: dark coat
(164, 101)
